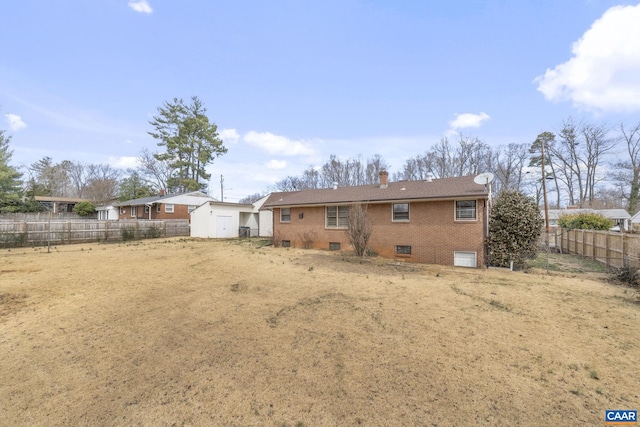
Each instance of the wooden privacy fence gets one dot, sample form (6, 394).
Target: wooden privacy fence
(38, 233)
(610, 248)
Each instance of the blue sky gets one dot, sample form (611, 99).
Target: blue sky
(290, 82)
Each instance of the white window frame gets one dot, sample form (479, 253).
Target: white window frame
(393, 212)
(123, 210)
(282, 214)
(134, 211)
(475, 259)
(168, 208)
(158, 207)
(147, 208)
(341, 217)
(467, 209)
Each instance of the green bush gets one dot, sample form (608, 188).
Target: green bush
(84, 208)
(585, 221)
(152, 232)
(128, 233)
(515, 224)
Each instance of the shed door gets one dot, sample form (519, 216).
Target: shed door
(464, 259)
(224, 227)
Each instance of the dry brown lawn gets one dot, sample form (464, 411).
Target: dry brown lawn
(194, 332)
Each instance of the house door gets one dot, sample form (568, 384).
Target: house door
(224, 227)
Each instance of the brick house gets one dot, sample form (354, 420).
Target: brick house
(171, 206)
(440, 221)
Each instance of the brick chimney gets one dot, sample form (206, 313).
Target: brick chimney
(161, 194)
(384, 179)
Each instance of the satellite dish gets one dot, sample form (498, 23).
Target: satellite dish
(484, 178)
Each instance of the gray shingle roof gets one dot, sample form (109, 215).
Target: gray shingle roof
(153, 199)
(444, 188)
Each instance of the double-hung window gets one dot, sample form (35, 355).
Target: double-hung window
(285, 215)
(134, 211)
(337, 217)
(168, 208)
(401, 211)
(466, 210)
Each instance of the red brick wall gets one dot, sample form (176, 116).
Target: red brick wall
(431, 231)
(179, 212)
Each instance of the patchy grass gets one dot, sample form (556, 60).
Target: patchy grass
(566, 263)
(202, 332)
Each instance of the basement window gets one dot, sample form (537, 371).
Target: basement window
(403, 250)
(286, 243)
(334, 246)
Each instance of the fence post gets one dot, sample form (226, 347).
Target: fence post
(164, 225)
(606, 251)
(106, 230)
(69, 230)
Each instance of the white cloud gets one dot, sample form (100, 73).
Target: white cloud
(229, 136)
(468, 120)
(276, 144)
(276, 164)
(603, 72)
(141, 6)
(15, 122)
(124, 162)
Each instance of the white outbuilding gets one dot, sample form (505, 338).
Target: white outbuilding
(223, 220)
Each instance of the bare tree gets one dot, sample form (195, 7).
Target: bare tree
(375, 165)
(343, 173)
(509, 166)
(102, 183)
(597, 144)
(156, 172)
(359, 229)
(628, 172)
(576, 159)
(77, 173)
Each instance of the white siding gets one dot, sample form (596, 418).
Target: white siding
(217, 220)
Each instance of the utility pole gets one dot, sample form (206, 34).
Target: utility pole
(544, 196)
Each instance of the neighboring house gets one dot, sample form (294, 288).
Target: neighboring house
(635, 221)
(58, 204)
(171, 206)
(227, 220)
(620, 217)
(109, 213)
(440, 221)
